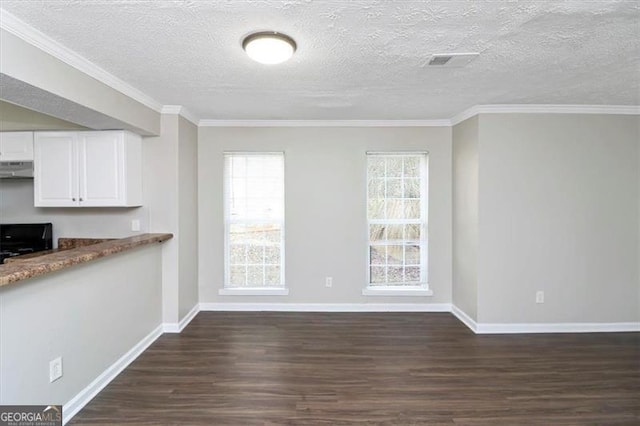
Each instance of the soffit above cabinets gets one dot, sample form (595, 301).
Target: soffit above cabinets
(356, 60)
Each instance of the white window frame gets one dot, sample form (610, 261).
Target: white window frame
(228, 221)
(401, 289)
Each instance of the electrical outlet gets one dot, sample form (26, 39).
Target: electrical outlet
(328, 282)
(55, 369)
(135, 225)
(540, 296)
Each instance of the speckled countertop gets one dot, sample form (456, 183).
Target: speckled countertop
(63, 244)
(55, 261)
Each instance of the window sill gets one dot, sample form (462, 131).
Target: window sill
(395, 291)
(253, 291)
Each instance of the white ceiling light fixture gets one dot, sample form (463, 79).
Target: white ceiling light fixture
(269, 47)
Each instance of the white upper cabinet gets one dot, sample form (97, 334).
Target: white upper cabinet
(55, 175)
(16, 146)
(87, 169)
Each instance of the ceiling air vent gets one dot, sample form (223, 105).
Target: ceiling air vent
(451, 60)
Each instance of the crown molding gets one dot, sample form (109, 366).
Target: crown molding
(545, 109)
(180, 110)
(560, 109)
(24, 31)
(324, 123)
(465, 115)
(458, 118)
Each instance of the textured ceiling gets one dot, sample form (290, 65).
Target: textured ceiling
(356, 59)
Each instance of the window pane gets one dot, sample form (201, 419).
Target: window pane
(394, 209)
(254, 211)
(412, 209)
(412, 274)
(375, 167)
(238, 234)
(412, 166)
(394, 166)
(412, 255)
(395, 274)
(394, 188)
(376, 208)
(255, 254)
(377, 255)
(242, 233)
(238, 276)
(411, 188)
(377, 232)
(412, 232)
(395, 232)
(237, 254)
(376, 188)
(272, 233)
(377, 274)
(394, 255)
(272, 276)
(255, 276)
(272, 255)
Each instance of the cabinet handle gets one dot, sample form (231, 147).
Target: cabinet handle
(80, 199)
(73, 199)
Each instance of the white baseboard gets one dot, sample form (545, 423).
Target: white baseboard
(328, 307)
(172, 327)
(578, 327)
(72, 407)
(464, 318)
(528, 328)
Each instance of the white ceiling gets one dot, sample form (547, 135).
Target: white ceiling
(356, 59)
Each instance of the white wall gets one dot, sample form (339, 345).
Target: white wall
(188, 216)
(170, 175)
(558, 212)
(16, 206)
(90, 314)
(160, 174)
(465, 216)
(325, 214)
(15, 118)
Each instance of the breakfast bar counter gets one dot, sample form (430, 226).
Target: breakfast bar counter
(56, 260)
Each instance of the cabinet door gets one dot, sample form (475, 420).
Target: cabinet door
(55, 175)
(16, 146)
(101, 166)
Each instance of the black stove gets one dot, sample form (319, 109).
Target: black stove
(24, 238)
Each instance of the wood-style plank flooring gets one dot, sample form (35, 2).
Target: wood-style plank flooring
(371, 368)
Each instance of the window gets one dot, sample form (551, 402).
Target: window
(397, 220)
(254, 223)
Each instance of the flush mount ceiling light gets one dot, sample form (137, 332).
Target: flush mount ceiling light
(269, 47)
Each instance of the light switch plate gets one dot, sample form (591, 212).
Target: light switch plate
(55, 369)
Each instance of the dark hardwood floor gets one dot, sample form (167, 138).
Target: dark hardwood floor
(371, 368)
